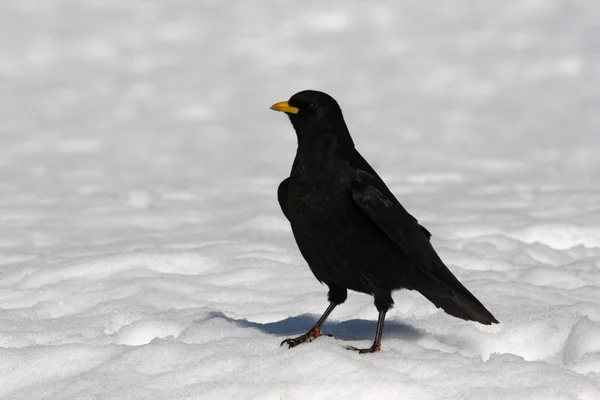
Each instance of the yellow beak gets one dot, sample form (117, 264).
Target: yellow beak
(283, 106)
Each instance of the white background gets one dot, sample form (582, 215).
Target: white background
(143, 254)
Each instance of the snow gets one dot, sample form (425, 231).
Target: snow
(143, 253)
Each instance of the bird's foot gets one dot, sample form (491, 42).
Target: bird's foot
(373, 349)
(309, 336)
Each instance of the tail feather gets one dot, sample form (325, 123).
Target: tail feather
(461, 307)
(446, 292)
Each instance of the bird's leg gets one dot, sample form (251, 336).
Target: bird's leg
(383, 302)
(314, 332)
(376, 346)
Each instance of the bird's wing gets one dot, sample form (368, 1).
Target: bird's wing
(424, 230)
(442, 288)
(369, 193)
(367, 174)
(282, 196)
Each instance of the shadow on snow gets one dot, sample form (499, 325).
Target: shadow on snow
(354, 329)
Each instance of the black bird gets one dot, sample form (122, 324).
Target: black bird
(349, 227)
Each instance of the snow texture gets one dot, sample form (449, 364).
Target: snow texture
(143, 254)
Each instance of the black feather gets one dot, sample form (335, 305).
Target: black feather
(351, 229)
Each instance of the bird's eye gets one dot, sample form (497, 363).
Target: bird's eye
(311, 105)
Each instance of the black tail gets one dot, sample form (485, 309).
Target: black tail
(447, 293)
(462, 307)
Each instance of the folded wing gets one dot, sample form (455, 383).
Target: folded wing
(438, 284)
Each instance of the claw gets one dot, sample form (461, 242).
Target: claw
(293, 342)
(309, 336)
(373, 349)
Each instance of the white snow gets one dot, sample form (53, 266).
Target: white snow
(143, 254)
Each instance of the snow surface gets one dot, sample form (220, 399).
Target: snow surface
(143, 254)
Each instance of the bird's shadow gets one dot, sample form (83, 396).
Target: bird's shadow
(354, 329)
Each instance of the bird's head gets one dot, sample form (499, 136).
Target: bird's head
(312, 112)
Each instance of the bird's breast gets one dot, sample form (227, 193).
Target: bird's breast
(318, 193)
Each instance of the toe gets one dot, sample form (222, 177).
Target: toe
(289, 342)
(372, 349)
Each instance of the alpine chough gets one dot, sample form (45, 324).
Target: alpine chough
(349, 227)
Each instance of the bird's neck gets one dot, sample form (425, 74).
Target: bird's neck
(335, 137)
(315, 161)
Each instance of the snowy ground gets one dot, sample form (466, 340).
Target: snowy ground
(143, 254)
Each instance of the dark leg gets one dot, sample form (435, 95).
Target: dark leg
(313, 333)
(376, 346)
(383, 302)
(336, 296)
